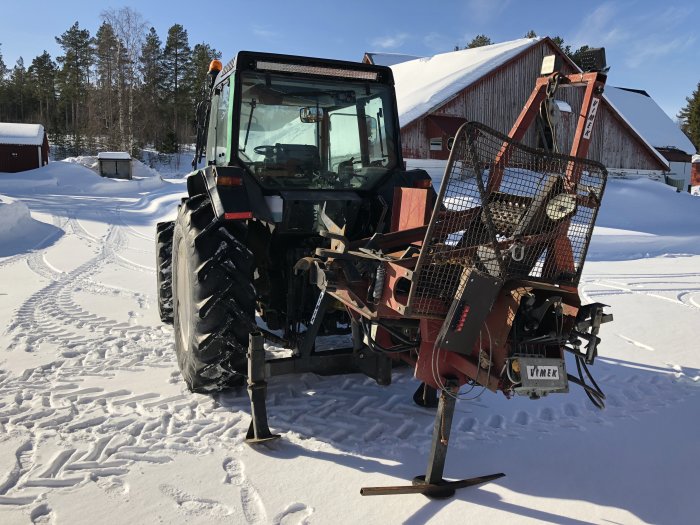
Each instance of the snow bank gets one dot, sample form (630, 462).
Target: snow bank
(19, 232)
(639, 218)
(642, 218)
(76, 176)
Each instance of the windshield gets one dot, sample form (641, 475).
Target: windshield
(315, 133)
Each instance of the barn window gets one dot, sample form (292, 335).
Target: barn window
(436, 144)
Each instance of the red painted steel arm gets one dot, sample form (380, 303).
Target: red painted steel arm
(517, 132)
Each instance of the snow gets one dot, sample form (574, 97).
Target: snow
(96, 425)
(696, 158)
(21, 134)
(425, 83)
(648, 119)
(113, 155)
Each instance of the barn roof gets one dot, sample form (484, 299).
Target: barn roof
(387, 59)
(427, 83)
(21, 134)
(649, 121)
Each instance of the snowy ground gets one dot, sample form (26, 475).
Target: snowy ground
(97, 427)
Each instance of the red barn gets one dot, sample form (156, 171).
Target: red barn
(490, 84)
(695, 171)
(22, 147)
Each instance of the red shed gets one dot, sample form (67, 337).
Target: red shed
(695, 171)
(22, 147)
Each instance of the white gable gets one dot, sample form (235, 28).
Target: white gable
(426, 83)
(21, 134)
(648, 119)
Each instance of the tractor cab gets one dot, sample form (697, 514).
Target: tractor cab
(294, 124)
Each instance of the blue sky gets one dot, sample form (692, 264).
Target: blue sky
(650, 45)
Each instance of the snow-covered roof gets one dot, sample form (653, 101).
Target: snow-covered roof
(113, 155)
(389, 59)
(21, 134)
(426, 83)
(648, 119)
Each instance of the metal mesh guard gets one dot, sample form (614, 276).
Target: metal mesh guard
(507, 210)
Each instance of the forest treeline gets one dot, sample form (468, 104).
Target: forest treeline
(121, 88)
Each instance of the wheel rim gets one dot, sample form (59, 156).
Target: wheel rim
(184, 299)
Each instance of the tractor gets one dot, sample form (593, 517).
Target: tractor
(305, 223)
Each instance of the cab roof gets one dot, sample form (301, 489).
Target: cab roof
(318, 67)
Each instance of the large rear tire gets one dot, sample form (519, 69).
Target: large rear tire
(164, 267)
(213, 297)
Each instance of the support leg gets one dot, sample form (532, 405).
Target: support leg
(432, 484)
(441, 438)
(257, 390)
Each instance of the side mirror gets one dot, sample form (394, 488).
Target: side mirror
(311, 115)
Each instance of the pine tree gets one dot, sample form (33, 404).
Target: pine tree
(20, 94)
(42, 73)
(202, 55)
(4, 105)
(531, 34)
(107, 62)
(151, 69)
(574, 55)
(479, 41)
(690, 118)
(176, 56)
(3, 68)
(74, 78)
(559, 41)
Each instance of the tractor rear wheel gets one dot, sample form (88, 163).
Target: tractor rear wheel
(213, 297)
(164, 266)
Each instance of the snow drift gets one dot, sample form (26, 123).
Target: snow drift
(19, 232)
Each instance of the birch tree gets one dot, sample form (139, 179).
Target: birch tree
(130, 31)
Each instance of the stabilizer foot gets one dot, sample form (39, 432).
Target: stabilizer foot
(253, 438)
(440, 490)
(432, 484)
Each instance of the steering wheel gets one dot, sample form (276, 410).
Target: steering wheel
(264, 150)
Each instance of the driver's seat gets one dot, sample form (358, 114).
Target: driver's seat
(295, 159)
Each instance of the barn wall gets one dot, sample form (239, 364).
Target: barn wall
(613, 143)
(498, 99)
(14, 159)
